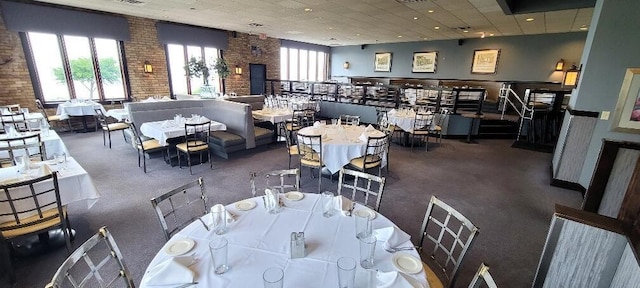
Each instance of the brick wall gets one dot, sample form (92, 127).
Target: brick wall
(239, 53)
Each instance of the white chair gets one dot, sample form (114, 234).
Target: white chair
(369, 186)
(281, 176)
(181, 206)
(446, 238)
(483, 277)
(103, 265)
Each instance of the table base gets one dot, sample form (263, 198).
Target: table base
(41, 243)
(85, 125)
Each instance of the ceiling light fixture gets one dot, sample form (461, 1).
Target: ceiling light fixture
(430, 11)
(584, 27)
(437, 27)
(529, 19)
(415, 18)
(465, 31)
(482, 36)
(490, 34)
(399, 36)
(308, 9)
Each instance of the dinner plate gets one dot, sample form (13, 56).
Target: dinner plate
(179, 247)
(366, 212)
(245, 205)
(294, 195)
(406, 263)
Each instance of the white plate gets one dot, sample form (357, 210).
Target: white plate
(179, 247)
(366, 212)
(246, 205)
(406, 263)
(294, 195)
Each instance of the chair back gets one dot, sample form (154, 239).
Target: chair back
(32, 206)
(135, 136)
(197, 135)
(13, 108)
(304, 117)
(383, 120)
(350, 120)
(422, 122)
(180, 206)
(101, 118)
(30, 145)
(103, 265)
(282, 185)
(310, 149)
(376, 148)
(366, 184)
(482, 277)
(439, 119)
(446, 237)
(17, 119)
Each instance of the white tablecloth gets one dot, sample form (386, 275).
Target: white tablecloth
(259, 240)
(340, 144)
(163, 130)
(119, 114)
(273, 115)
(404, 120)
(74, 182)
(67, 109)
(52, 144)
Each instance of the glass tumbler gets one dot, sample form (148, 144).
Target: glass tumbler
(327, 204)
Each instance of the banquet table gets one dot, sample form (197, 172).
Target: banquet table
(79, 109)
(403, 119)
(259, 240)
(273, 115)
(341, 143)
(52, 144)
(166, 129)
(74, 182)
(119, 114)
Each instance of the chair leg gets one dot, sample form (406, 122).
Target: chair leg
(189, 162)
(103, 139)
(109, 132)
(144, 162)
(319, 179)
(69, 124)
(139, 158)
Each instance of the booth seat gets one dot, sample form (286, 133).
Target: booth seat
(256, 101)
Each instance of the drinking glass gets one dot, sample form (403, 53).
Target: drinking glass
(327, 203)
(334, 122)
(218, 248)
(273, 277)
(61, 160)
(346, 272)
(367, 251)
(364, 226)
(273, 200)
(219, 219)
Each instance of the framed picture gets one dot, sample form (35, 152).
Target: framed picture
(485, 61)
(626, 118)
(424, 62)
(382, 62)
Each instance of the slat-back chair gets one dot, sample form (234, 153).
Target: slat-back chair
(446, 238)
(30, 145)
(180, 205)
(435, 129)
(103, 265)
(52, 118)
(196, 142)
(421, 126)
(310, 151)
(483, 277)
(108, 127)
(145, 146)
(360, 182)
(376, 150)
(350, 120)
(292, 148)
(282, 175)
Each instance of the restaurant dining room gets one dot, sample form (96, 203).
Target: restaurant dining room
(294, 144)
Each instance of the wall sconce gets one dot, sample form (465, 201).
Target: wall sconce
(571, 77)
(345, 65)
(560, 65)
(238, 70)
(147, 67)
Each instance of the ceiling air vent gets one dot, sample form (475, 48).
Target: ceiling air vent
(131, 2)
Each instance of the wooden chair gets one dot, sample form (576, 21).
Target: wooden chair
(53, 118)
(180, 205)
(103, 265)
(35, 207)
(196, 139)
(107, 127)
(483, 277)
(360, 182)
(421, 128)
(446, 238)
(146, 146)
(310, 150)
(376, 150)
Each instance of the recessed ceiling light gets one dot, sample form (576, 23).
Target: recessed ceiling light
(399, 36)
(330, 28)
(424, 38)
(308, 9)
(465, 31)
(415, 18)
(529, 19)
(584, 28)
(357, 34)
(430, 11)
(437, 27)
(490, 34)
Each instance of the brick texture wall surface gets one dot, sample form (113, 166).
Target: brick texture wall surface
(240, 53)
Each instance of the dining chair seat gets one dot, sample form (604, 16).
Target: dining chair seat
(149, 144)
(432, 279)
(372, 161)
(292, 126)
(193, 146)
(31, 225)
(315, 162)
(116, 126)
(54, 118)
(293, 150)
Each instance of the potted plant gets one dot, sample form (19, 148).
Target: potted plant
(198, 68)
(222, 68)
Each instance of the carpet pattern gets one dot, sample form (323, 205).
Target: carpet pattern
(502, 190)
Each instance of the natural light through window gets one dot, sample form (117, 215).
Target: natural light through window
(179, 56)
(302, 65)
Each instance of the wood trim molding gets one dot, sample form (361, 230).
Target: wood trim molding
(583, 113)
(591, 219)
(593, 196)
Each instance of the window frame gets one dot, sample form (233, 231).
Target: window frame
(321, 66)
(185, 54)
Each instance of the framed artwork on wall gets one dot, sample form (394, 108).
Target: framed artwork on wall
(382, 62)
(626, 118)
(485, 61)
(424, 62)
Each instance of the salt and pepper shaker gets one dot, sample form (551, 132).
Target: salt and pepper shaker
(298, 247)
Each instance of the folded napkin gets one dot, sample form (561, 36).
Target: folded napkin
(165, 124)
(270, 199)
(363, 137)
(317, 124)
(173, 271)
(392, 279)
(230, 218)
(342, 204)
(369, 128)
(392, 237)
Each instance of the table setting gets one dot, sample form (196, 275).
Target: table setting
(291, 239)
(405, 118)
(166, 129)
(52, 142)
(78, 107)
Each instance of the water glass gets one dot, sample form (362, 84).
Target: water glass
(61, 160)
(346, 272)
(367, 251)
(218, 248)
(272, 200)
(273, 278)
(364, 226)
(327, 204)
(334, 122)
(219, 219)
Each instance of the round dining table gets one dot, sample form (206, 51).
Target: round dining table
(258, 240)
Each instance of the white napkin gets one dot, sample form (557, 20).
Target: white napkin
(364, 137)
(317, 124)
(173, 271)
(165, 124)
(342, 204)
(391, 236)
(369, 128)
(392, 279)
(219, 207)
(270, 200)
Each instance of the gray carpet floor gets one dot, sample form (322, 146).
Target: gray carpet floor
(503, 190)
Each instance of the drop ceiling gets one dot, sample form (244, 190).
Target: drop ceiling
(356, 22)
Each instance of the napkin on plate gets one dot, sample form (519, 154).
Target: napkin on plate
(173, 271)
(392, 279)
(392, 237)
(342, 204)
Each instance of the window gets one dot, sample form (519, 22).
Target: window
(73, 67)
(178, 57)
(302, 65)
